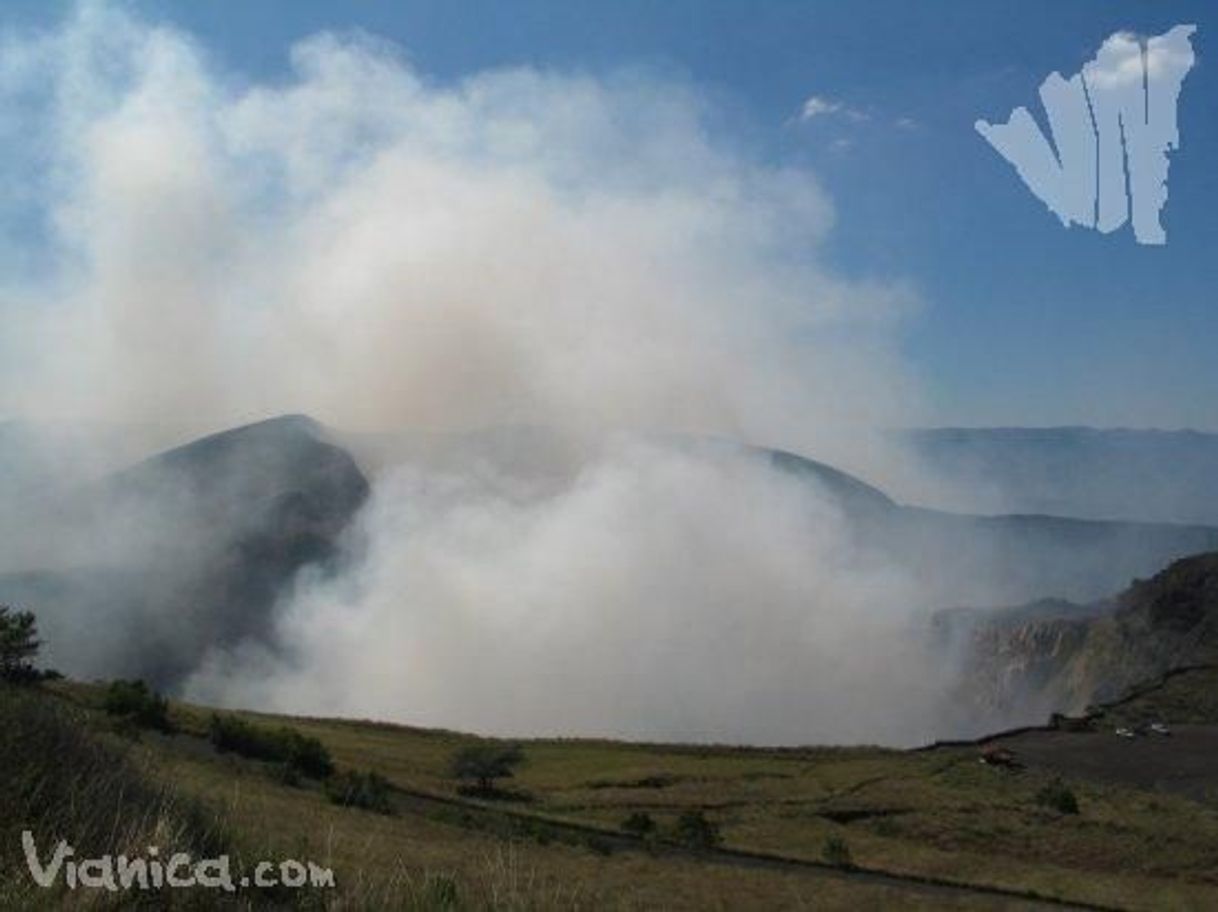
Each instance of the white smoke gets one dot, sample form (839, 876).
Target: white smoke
(383, 251)
(663, 593)
(374, 249)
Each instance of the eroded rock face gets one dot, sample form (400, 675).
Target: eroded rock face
(144, 572)
(1020, 664)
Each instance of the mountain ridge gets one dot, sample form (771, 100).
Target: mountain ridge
(1157, 475)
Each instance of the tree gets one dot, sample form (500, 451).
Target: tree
(18, 644)
(484, 762)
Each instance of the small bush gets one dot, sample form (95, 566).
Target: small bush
(363, 790)
(639, 824)
(279, 745)
(1058, 797)
(695, 831)
(307, 754)
(136, 703)
(232, 733)
(837, 852)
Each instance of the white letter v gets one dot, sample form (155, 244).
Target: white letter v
(44, 877)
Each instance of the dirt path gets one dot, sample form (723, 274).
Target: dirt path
(493, 816)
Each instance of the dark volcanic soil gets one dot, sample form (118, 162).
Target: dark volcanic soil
(1186, 762)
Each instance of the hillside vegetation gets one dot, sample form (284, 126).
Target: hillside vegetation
(794, 828)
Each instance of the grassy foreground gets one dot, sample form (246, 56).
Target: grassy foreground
(800, 828)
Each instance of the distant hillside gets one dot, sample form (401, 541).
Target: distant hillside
(1031, 660)
(854, 496)
(1156, 476)
(182, 552)
(543, 454)
(1003, 558)
(994, 560)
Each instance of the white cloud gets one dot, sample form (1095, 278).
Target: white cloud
(816, 106)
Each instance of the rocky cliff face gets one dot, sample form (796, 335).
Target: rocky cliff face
(1022, 663)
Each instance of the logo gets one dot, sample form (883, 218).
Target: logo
(1112, 125)
(150, 872)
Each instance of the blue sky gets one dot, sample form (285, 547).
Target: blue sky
(1022, 321)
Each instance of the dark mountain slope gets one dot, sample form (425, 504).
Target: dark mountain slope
(856, 498)
(146, 570)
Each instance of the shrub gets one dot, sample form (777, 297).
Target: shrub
(695, 831)
(639, 824)
(284, 745)
(136, 703)
(484, 762)
(232, 733)
(307, 754)
(837, 852)
(1058, 796)
(363, 790)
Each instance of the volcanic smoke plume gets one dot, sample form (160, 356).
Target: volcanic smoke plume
(589, 254)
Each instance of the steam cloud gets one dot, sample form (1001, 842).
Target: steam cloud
(661, 594)
(584, 253)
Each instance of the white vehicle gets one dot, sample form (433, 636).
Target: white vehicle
(1159, 728)
(1125, 732)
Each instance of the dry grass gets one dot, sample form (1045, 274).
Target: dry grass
(398, 861)
(936, 814)
(62, 781)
